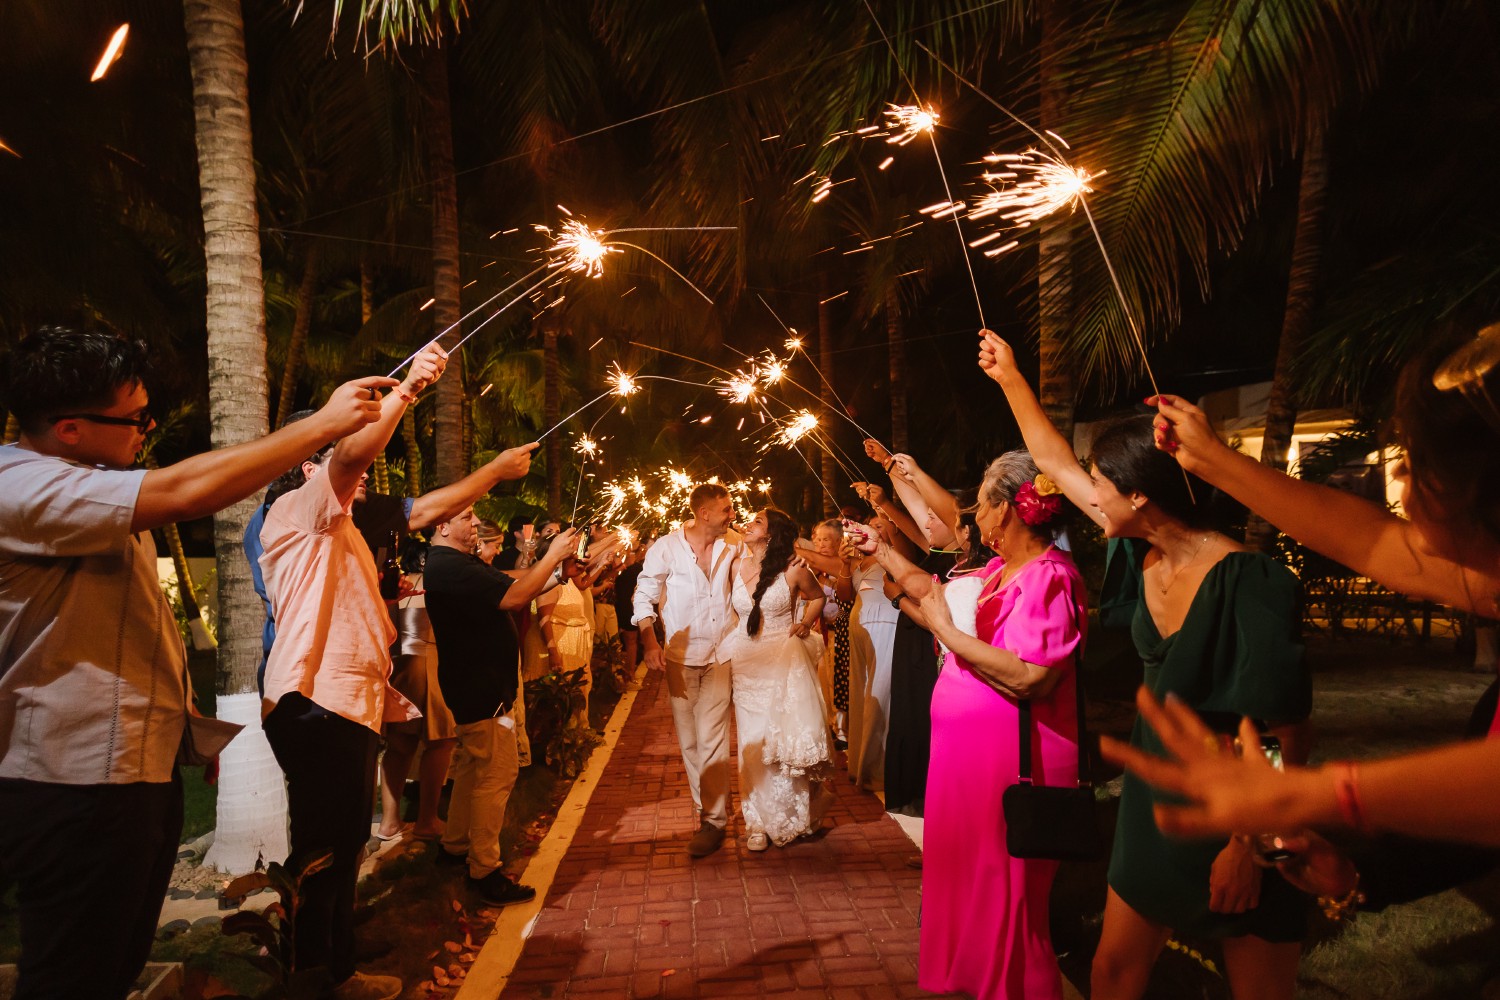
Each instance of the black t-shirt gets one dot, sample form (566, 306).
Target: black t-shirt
(382, 520)
(508, 557)
(625, 591)
(479, 653)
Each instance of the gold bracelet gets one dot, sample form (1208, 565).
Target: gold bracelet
(1344, 907)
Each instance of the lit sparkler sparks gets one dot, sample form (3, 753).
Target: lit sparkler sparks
(739, 387)
(1034, 186)
(637, 487)
(627, 536)
(616, 501)
(798, 426)
(909, 121)
(578, 248)
(793, 343)
(621, 382)
(586, 446)
(112, 52)
(764, 486)
(771, 370)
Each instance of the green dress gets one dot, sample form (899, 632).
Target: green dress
(1238, 653)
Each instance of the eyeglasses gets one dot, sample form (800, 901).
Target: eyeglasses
(141, 423)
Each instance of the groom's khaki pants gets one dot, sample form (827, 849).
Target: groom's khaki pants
(701, 707)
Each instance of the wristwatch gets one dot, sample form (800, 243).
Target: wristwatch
(896, 601)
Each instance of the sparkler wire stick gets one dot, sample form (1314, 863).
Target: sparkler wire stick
(663, 263)
(575, 413)
(469, 315)
(843, 410)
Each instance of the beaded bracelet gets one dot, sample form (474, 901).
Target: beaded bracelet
(1343, 907)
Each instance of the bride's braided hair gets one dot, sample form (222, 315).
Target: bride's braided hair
(781, 539)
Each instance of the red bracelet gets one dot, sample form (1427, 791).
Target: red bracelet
(408, 397)
(1346, 790)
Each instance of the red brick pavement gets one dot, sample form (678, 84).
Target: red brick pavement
(631, 915)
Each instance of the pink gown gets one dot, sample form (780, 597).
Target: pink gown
(984, 913)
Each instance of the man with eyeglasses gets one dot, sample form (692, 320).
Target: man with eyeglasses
(94, 694)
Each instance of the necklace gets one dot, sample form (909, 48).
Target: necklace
(1196, 552)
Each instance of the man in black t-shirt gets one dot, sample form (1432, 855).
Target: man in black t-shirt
(469, 604)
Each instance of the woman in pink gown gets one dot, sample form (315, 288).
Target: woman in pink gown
(1010, 631)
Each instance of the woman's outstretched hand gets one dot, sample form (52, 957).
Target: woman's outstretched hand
(995, 355)
(1225, 794)
(861, 537)
(1183, 431)
(876, 451)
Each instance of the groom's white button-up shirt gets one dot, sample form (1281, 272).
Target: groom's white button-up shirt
(695, 608)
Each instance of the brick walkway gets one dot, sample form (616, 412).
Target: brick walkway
(631, 915)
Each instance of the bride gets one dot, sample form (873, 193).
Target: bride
(783, 737)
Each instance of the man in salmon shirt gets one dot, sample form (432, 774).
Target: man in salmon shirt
(327, 687)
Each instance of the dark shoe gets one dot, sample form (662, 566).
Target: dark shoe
(496, 889)
(362, 987)
(840, 744)
(446, 857)
(708, 839)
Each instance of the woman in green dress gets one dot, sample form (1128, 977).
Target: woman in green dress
(1217, 626)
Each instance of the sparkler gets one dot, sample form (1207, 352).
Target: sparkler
(587, 447)
(1046, 138)
(1033, 185)
(740, 387)
(798, 426)
(578, 248)
(112, 52)
(621, 382)
(909, 121)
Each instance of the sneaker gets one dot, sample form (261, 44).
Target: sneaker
(497, 889)
(362, 987)
(708, 839)
(757, 842)
(839, 743)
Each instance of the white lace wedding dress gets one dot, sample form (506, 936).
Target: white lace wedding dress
(784, 750)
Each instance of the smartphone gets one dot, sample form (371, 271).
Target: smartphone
(1270, 848)
(582, 547)
(527, 530)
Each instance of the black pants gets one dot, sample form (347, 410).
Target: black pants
(91, 864)
(329, 764)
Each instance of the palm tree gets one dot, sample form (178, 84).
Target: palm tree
(1302, 287)
(237, 394)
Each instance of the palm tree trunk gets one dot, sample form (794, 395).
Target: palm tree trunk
(296, 349)
(438, 126)
(551, 414)
(827, 472)
(1058, 387)
(1301, 294)
(895, 339)
(252, 797)
(186, 591)
(413, 453)
(381, 476)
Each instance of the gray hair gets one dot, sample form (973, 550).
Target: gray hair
(1004, 478)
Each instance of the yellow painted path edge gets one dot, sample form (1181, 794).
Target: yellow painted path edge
(491, 971)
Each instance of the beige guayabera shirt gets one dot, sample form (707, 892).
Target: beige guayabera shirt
(92, 669)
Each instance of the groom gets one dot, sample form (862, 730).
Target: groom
(687, 573)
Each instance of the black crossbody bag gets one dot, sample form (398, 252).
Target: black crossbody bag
(1056, 823)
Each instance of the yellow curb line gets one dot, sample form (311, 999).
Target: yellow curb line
(491, 971)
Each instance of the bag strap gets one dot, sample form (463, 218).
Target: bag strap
(1024, 705)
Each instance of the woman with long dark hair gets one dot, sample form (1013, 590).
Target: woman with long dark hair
(784, 750)
(1446, 549)
(1217, 625)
